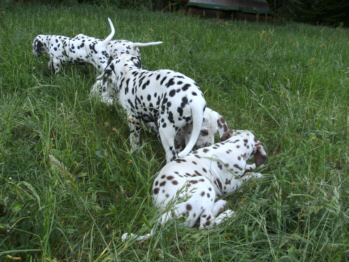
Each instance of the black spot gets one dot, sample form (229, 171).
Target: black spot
(146, 84)
(170, 177)
(170, 82)
(202, 193)
(174, 182)
(172, 93)
(219, 165)
(197, 173)
(179, 160)
(204, 132)
(238, 167)
(184, 101)
(162, 81)
(156, 190)
(189, 207)
(185, 87)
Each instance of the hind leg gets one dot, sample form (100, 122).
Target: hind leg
(218, 207)
(167, 135)
(224, 215)
(209, 218)
(135, 125)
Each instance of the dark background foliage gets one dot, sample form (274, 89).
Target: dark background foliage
(325, 12)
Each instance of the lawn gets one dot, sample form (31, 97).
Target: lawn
(69, 188)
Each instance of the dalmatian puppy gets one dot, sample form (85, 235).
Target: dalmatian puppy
(190, 187)
(64, 50)
(115, 48)
(168, 98)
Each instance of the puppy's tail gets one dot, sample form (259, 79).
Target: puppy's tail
(106, 41)
(126, 236)
(197, 115)
(134, 45)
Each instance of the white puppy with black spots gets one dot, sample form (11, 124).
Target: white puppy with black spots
(191, 186)
(63, 50)
(115, 48)
(165, 97)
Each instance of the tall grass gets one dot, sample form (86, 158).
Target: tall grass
(69, 188)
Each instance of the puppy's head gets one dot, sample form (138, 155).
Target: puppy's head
(251, 146)
(108, 80)
(39, 46)
(130, 61)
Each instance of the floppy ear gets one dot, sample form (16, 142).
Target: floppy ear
(260, 156)
(135, 60)
(37, 46)
(226, 135)
(107, 72)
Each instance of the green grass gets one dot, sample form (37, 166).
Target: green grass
(288, 84)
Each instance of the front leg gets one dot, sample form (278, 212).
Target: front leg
(50, 64)
(250, 167)
(251, 175)
(135, 125)
(56, 64)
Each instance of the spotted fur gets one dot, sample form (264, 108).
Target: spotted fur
(212, 123)
(165, 97)
(190, 187)
(63, 50)
(115, 48)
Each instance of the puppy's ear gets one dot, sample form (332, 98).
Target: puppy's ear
(135, 60)
(107, 72)
(37, 46)
(226, 135)
(260, 156)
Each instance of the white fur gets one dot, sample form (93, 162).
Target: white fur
(165, 97)
(64, 50)
(191, 187)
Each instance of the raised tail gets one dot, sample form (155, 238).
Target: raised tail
(197, 115)
(106, 41)
(134, 45)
